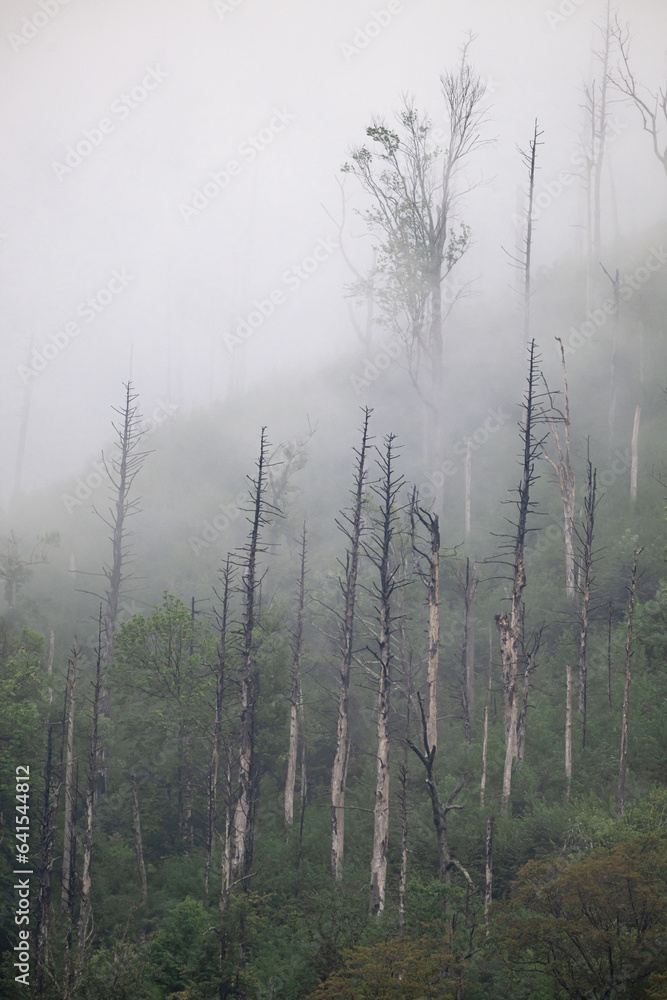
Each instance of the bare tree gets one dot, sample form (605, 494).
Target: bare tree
(379, 551)
(244, 813)
(565, 473)
(585, 538)
(651, 104)
(510, 626)
(351, 526)
(568, 729)
(623, 762)
(523, 257)
(68, 828)
(468, 585)
(428, 553)
(295, 690)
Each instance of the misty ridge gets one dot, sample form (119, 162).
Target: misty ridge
(334, 616)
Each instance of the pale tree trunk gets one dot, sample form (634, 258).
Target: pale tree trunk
(568, 730)
(122, 470)
(295, 692)
(611, 417)
(351, 526)
(68, 829)
(226, 860)
(217, 724)
(84, 931)
(586, 579)
(406, 666)
(431, 577)
(245, 806)
(379, 552)
(511, 627)
(488, 886)
(635, 453)
(530, 161)
(469, 588)
(468, 489)
(304, 800)
(485, 742)
(566, 478)
(623, 763)
(138, 845)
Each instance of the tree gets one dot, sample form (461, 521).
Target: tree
(295, 690)
(595, 926)
(351, 526)
(413, 185)
(379, 551)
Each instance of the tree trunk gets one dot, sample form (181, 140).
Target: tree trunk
(511, 627)
(84, 930)
(217, 724)
(138, 845)
(352, 529)
(488, 889)
(586, 580)
(380, 552)
(523, 713)
(245, 811)
(635, 453)
(68, 829)
(566, 478)
(431, 577)
(623, 763)
(468, 652)
(295, 692)
(485, 742)
(568, 730)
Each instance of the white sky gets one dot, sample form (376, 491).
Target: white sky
(220, 72)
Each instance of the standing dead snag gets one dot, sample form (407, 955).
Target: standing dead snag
(440, 811)
(565, 474)
(68, 829)
(510, 626)
(431, 577)
(469, 588)
(122, 469)
(223, 624)
(295, 691)
(244, 814)
(351, 526)
(379, 551)
(523, 712)
(524, 253)
(623, 763)
(585, 581)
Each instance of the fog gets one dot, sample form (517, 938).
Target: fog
(172, 168)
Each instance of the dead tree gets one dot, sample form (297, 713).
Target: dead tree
(426, 754)
(585, 538)
(510, 626)
(488, 887)
(651, 104)
(84, 930)
(221, 665)
(568, 730)
(351, 526)
(138, 844)
(68, 828)
(261, 513)
(565, 473)
(522, 259)
(295, 690)
(467, 680)
(379, 551)
(623, 762)
(430, 576)
(122, 468)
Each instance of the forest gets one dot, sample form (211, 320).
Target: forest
(352, 687)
